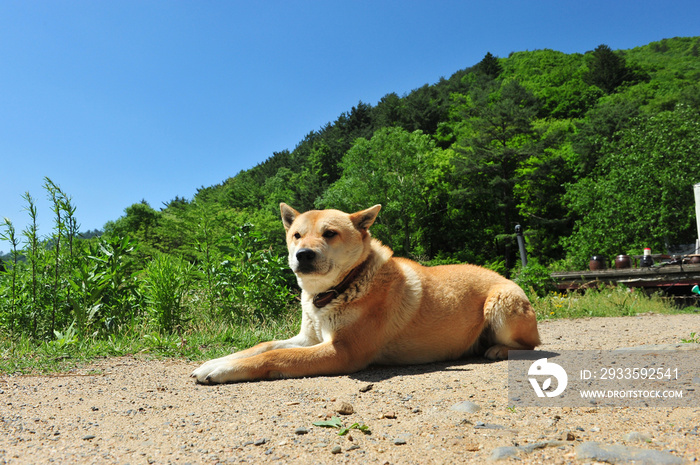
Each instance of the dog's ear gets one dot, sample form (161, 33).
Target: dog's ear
(288, 215)
(365, 218)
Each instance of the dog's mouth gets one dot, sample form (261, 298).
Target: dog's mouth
(305, 268)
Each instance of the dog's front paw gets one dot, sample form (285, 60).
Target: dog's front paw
(216, 371)
(497, 352)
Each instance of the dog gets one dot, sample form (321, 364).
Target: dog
(362, 306)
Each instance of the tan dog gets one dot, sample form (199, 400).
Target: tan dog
(361, 306)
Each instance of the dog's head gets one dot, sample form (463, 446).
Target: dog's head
(324, 245)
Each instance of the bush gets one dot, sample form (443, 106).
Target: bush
(535, 280)
(166, 283)
(253, 281)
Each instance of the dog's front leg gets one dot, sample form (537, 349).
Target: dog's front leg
(300, 340)
(322, 359)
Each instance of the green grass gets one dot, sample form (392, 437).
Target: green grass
(204, 340)
(603, 302)
(208, 338)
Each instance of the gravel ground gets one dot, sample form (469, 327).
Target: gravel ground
(132, 410)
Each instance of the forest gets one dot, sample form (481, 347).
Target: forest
(592, 153)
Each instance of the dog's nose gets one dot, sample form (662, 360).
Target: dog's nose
(305, 256)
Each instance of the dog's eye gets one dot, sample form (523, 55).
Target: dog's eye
(330, 233)
(297, 236)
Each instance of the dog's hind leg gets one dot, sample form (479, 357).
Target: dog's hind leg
(511, 320)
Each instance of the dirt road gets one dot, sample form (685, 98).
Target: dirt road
(130, 410)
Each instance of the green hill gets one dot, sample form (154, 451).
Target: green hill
(457, 164)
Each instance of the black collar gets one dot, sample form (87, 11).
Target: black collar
(324, 298)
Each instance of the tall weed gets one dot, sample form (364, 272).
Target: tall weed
(165, 285)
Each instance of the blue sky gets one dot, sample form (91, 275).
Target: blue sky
(119, 101)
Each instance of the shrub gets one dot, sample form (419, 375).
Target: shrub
(166, 283)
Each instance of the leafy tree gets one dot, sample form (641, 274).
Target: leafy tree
(601, 126)
(503, 138)
(607, 69)
(424, 109)
(556, 79)
(489, 66)
(312, 180)
(540, 190)
(140, 219)
(389, 111)
(400, 170)
(640, 193)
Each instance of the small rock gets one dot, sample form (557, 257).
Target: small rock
(503, 452)
(578, 428)
(336, 450)
(529, 448)
(622, 454)
(389, 415)
(634, 436)
(399, 441)
(466, 406)
(301, 430)
(366, 387)
(353, 447)
(260, 442)
(481, 425)
(595, 429)
(88, 437)
(569, 436)
(345, 409)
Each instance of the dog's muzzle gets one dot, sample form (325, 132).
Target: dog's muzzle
(305, 260)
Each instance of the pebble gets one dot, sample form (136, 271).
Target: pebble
(503, 452)
(466, 406)
(366, 387)
(260, 442)
(399, 441)
(88, 437)
(336, 450)
(345, 409)
(634, 436)
(623, 454)
(301, 430)
(482, 425)
(540, 445)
